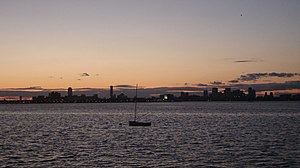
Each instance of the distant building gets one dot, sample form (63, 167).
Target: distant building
(268, 97)
(238, 95)
(184, 95)
(95, 96)
(38, 99)
(251, 94)
(214, 94)
(285, 97)
(111, 92)
(227, 93)
(271, 96)
(167, 97)
(122, 96)
(54, 96)
(205, 93)
(70, 92)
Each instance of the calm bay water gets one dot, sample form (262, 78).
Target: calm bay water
(216, 134)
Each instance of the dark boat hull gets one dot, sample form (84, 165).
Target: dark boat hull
(136, 123)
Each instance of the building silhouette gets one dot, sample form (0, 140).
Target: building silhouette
(251, 94)
(184, 95)
(205, 94)
(227, 94)
(215, 95)
(111, 92)
(70, 92)
(54, 96)
(238, 95)
(268, 97)
(214, 92)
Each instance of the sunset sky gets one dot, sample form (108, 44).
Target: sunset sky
(156, 43)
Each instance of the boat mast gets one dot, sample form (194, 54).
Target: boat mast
(135, 102)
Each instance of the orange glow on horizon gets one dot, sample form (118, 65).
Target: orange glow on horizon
(43, 46)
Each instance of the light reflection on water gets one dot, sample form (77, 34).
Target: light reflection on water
(218, 134)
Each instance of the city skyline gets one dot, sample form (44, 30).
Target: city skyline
(163, 46)
(275, 89)
(130, 95)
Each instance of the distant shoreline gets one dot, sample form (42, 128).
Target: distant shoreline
(146, 101)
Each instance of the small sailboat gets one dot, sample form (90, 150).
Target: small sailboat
(135, 122)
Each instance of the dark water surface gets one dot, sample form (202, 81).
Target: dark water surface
(216, 134)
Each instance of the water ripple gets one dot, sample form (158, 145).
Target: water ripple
(182, 135)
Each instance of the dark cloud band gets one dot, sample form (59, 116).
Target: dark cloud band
(256, 76)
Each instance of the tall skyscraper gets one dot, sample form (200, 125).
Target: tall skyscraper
(251, 94)
(227, 93)
(70, 92)
(271, 95)
(111, 92)
(205, 93)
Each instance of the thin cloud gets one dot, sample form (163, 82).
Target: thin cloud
(201, 84)
(124, 86)
(33, 88)
(197, 84)
(248, 60)
(52, 77)
(216, 83)
(244, 61)
(84, 74)
(233, 81)
(256, 76)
